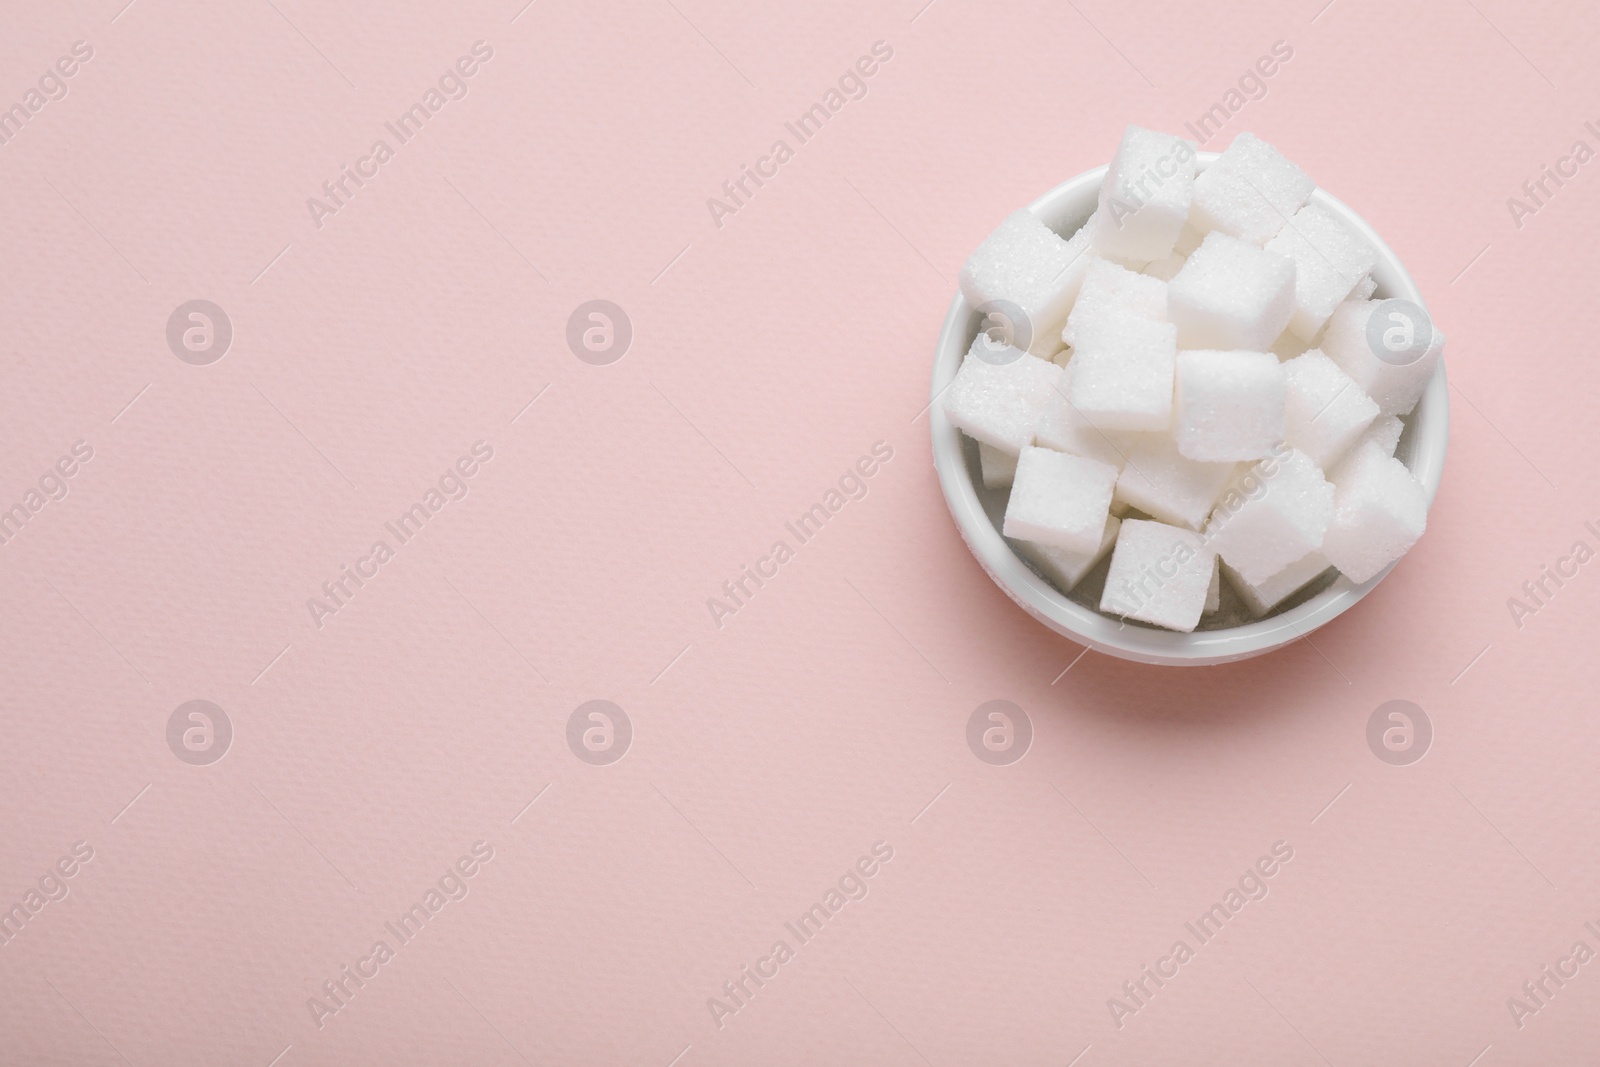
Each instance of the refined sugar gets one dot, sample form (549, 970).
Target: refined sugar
(1136, 265)
(1262, 597)
(1188, 240)
(1330, 259)
(1327, 411)
(999, 403)
(1047, 338)
(1384, 432)
(1166, 269)
(1231, 295)
(1379, 511)
(1229, 406)
(1048, 346)
(1058, 499)
(1025, 264)
(1144, 200)
(1111, 293)
(1165, 485)
(998, 467)
(1122, 375)
(1287, 346)
(1353, 340)
(1249, 191)
(1063, 567)
(1063, 427)
(1159, 574)
(1173, 376)
(1272, 514)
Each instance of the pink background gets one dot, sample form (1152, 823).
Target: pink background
(768, 355)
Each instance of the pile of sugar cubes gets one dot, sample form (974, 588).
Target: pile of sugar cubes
(1187, 382)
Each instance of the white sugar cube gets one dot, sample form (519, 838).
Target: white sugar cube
(1214, 594)
(1262, 597)
(1288, 346)
(1384, 433)
(1122, 375)
(1231, 295)
(1063, 427)
(1249, 191)
(1047, 347)
(1272, 514)
(1111, 293)
(1065, 568)
(1159, 574)
(1144, 200)
(1379, 511)
(1327, 411)
(1166, 269)
(998, 467)
(1025, 264)
(1229, 406)
(1330, 259)
(1353, 339)
(1364, 288)
(1136, 265)
(999, 403)
(1188, 240)
(1162, 483)
(1058, 499)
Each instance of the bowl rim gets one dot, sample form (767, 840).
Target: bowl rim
(1429, 426)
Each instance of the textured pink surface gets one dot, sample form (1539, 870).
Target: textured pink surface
(828, 714)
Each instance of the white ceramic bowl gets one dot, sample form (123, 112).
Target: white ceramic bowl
(978, 511)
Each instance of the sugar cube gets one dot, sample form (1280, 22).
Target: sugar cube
(1063, 567)
(999, 403)
(1122, 375)
(1058, 499)
(1327, 411)
(1384, 433)
(1063, 427)
(1049, 347)
(1159, 574)
(1144, 200)
(1249, 191)
(1354, 339)
(1229, 406)
(1262, 597)
(998, 467)
(1025, 264)
(1167, 384)
(1111, 293)
(1164, 484)
(1287, 346)
(1231, 295)
(1188, 240)
(1136, 265)
(1272, 513)
(1379, 511)
(1166, 269)
(1330, 259)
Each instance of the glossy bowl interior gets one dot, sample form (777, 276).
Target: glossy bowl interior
(1230, 634)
